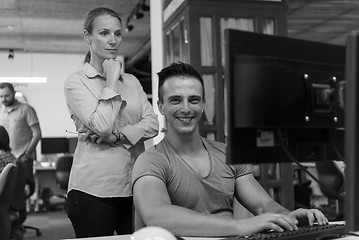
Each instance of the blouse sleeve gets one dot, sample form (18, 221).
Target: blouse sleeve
(147, 126)
(96, 107)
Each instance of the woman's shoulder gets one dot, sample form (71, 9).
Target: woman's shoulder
(73, 77)
(129, 78)
(76, 75)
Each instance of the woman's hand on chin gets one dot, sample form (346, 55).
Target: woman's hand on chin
(112, 69)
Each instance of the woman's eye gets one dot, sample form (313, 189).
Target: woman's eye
(103, 33)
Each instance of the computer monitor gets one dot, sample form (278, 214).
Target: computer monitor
(284, 99)
(54, 145)
(352, 133)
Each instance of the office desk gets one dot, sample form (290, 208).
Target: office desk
(128, 237)
(117, 237)
(44, 175)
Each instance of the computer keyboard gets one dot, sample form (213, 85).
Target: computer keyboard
(316, 232)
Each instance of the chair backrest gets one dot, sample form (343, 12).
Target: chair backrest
(63, 168)
(331, 176)
(7, 183)
(18, 198)
(7, 186)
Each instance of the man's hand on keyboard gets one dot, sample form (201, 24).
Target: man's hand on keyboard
(269, 221)
(309, 216)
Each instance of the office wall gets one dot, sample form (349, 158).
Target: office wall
(47, 98)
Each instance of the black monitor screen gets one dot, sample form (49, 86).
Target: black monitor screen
(284, 96)
(54, 145)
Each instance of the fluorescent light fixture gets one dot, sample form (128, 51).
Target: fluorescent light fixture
(24, 79)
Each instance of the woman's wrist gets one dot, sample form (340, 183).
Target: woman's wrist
(117, 134)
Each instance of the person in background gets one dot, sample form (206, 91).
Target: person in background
(22, 124)
(5, 151)
(113, 118)
(184, 185)
(6, 157)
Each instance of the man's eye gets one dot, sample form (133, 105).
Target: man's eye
(195, 100)
(175, 100)
(103, 33)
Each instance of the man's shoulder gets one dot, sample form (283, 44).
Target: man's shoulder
(151, 151)
(25, 106)
(154, 151)
(215, 144)
(152, 159)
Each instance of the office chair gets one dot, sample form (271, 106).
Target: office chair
(17, 203)
(332, 184)
(29, 182)
(7, 187)
(62, 173)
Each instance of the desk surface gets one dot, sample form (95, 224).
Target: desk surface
(43, 166)
(117, 237)
(128, 237)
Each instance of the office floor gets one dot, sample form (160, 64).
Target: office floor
(53, 225)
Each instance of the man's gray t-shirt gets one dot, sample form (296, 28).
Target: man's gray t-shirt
(213, 194)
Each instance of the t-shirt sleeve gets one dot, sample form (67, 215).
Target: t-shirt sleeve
(150, 163)
(241, 170)
(31, 116)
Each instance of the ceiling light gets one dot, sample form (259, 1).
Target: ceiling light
(144, 6)
(24, 79)
(11, 54)
(9, 27)
(129, 28)
(138, 15)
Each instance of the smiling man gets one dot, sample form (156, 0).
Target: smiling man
(183, 184)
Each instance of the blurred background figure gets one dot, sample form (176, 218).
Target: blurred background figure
(5, 151)
(22, 124)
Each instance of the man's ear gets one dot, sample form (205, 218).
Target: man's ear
(160, 104)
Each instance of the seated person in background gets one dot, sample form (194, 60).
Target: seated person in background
(5, 151)
(18, 216)
(184, 185)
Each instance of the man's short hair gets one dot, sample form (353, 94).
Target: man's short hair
(7, 85)
(178, 69)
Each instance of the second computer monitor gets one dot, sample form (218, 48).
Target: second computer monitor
(284, 96)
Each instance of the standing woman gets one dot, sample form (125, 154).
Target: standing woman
(113, 118)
